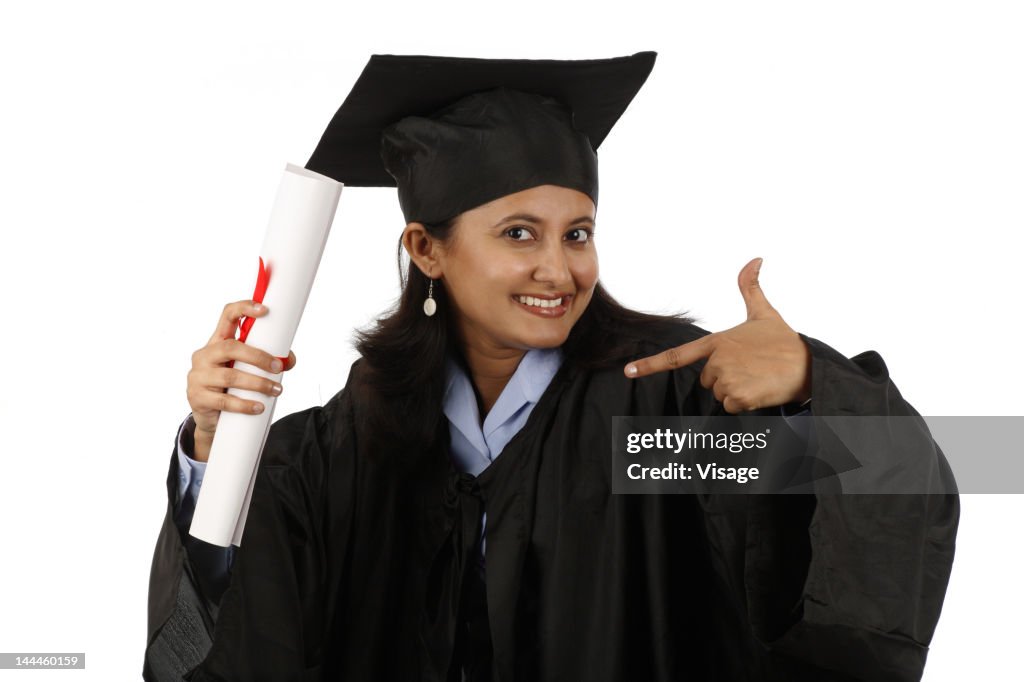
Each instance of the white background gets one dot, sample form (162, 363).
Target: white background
(870, 152)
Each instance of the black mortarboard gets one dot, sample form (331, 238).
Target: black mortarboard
(454, 133)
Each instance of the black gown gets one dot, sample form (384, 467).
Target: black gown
(359, 558)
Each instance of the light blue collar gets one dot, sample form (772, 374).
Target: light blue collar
(475, 445)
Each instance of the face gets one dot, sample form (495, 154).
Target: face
(521, 269)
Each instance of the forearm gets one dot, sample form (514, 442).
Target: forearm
(211, 564)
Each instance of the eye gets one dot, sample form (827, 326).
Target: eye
(580, 235)
(518, 233)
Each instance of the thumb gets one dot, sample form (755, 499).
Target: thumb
(757, 304)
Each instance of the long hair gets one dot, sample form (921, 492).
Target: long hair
(404, 353)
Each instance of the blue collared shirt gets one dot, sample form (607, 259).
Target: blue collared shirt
(474, 445)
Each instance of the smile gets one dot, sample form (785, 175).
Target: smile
(540, 302)
(544, 307)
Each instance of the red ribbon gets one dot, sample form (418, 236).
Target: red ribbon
(245, 322)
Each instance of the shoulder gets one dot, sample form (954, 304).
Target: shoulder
(634, 343)
(312, 432)
(678, 391)
(649, 337)
(673, 334)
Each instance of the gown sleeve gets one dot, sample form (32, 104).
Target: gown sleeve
(270, 621)
(181, 613)
(848, 584)
(211, 564)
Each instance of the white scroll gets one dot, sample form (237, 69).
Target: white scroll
(294, 243)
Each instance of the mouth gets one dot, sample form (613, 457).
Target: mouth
(544, 306)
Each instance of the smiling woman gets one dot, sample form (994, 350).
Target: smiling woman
(448, 515)
(516, 282)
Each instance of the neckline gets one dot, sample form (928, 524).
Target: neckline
(540, 412)
(459, 399)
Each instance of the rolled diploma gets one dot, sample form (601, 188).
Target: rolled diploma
(294, 243)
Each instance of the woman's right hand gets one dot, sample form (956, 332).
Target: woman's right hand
(210, 377)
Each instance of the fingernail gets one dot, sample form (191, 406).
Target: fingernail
(257, 307)
(276, 366)
(276, 389)
(257, 408)
(631, 370)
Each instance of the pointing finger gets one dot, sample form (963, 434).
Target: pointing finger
(680, 356)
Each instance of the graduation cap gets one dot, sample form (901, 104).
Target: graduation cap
(455, 133)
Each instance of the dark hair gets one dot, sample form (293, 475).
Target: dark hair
(404, 352)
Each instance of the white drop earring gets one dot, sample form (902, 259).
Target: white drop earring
(430, 305)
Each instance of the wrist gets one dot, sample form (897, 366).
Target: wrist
(803, 396)
(203, 441)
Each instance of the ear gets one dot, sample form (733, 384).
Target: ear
(423, 249)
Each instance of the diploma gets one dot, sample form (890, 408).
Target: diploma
(294, 243)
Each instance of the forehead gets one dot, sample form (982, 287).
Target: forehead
(544, 204)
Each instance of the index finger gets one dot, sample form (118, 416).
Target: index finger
(672, 358)
(228, 322)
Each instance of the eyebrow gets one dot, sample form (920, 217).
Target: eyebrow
(529, 218)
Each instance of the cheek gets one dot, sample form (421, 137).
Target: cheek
(504, 272)
(498, 278)
(487, 279)
(585, 271)
(476, 271)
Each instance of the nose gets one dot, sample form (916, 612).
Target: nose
(553, 265)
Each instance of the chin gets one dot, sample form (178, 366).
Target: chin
(545, 340)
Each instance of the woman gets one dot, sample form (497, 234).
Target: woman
(448, 515)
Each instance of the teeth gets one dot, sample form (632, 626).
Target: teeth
(539, 302)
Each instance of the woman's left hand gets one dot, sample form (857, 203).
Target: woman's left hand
(759, 363)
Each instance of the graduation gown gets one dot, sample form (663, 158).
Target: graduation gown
(358, 557)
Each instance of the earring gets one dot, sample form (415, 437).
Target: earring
(430, 305)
